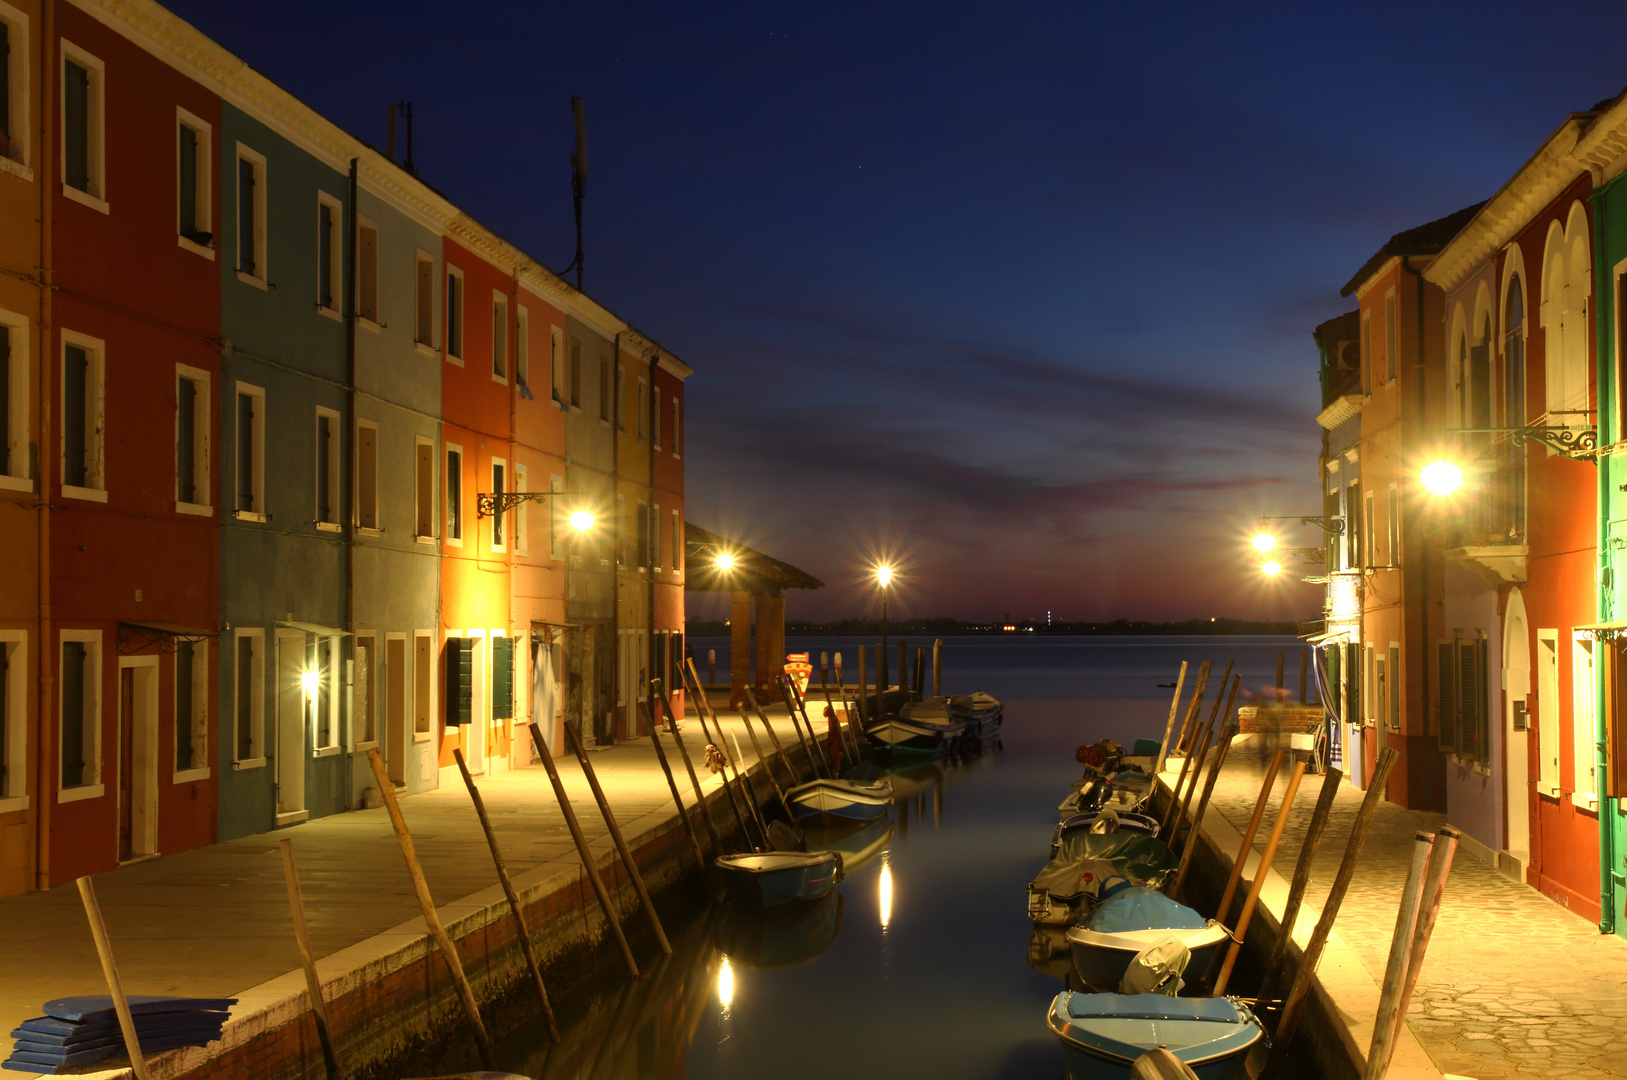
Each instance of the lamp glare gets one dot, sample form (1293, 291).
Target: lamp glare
(1441, 477)
(581, 521)
(884, 576)
(725, 561)
(1264, 542)
(1272, 568)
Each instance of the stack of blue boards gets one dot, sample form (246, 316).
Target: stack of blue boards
(80, 1030)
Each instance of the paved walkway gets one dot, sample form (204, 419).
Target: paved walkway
(215, 922)
(1513, 986)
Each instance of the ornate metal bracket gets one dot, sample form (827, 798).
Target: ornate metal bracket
(1580, 444)
(136, 637)
(1311, 555)
(1333, 525)
(490, 505)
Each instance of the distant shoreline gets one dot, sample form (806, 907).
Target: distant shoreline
(954, 628)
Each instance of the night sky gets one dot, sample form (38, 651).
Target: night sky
(1020, 295)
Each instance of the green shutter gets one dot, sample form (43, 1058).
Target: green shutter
(76, 127)
(502, 678)
(1482, 712)
(459, 680)
(1446, 653)
(245, 216)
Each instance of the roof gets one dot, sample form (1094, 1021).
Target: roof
(753, 572)
(1426, 239)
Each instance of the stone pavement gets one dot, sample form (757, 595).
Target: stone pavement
(1513, 986)
(215, 921)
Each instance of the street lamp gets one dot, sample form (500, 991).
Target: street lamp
(1441, 478)
(884, 578)
(1264, 542)
(582, 520)
(1271, 568)
(725, 562)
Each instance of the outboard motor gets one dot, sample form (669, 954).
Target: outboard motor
(1106, 822)
(1157, 969)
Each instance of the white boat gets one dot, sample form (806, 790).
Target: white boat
(830, 802)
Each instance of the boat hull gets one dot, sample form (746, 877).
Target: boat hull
(777, 878)
(898, 736)
(836, 802)
(1101, 959)
(1104, 1046)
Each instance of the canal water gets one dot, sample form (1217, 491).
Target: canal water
(917, 965)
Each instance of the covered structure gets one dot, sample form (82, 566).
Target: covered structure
(713, 563)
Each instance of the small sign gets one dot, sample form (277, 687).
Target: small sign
(798, 667)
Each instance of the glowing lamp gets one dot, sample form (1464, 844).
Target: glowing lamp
(884, 576)
(1270, 569)
(1441, 477)
(725, 561)
(581, 521)
(1264, 542)
(308, 682)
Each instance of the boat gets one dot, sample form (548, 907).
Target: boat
(1103, 1034)
(897, 735)
(829, 802)
(1090, 867)
(779, 877)
(779, 937)
(981, 711)
(1108, 820)
(1135, 919)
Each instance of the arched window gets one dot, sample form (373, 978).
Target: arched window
(1480, 380)
(1463, 381)
(1511, 466)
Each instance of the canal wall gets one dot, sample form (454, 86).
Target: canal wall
(392, 1005)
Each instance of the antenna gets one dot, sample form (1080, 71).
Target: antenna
(402, 109)
(579, 179)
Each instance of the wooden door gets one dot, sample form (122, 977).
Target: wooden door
(395, 708)
(127, 763)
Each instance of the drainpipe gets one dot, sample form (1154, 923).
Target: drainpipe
(615, 540)
(1604, 347)
(45, 779)
(652, 533)
(1423, 541)
(350, 441)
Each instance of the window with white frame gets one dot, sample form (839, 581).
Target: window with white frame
(643, 409)
(249, 453)
(424, 301)
(15, 51)
(1392, 338)
(192, 494)
(1394, 712)
(248, 697)
(367, 475)
(657, 547)
(322, 699)
(194, 204)
(522, 349)
(608, 380)
(556, 364)
(328, 253)
(14, 402)
(454, 314)
(83, 417)
(522, 511)
(576, 375)
(1369, 556)
(328, 456)
(367, 271)
(655, 412)
(423, 684)
(84, 160)
(424, 489)
(677, 428)
(1366, 353)
(454, 495)
(13, 720)
(1584, 786)
(620, 398)
(1548, 711)
(1369, 695)
(641, 537)
(191, 711)
(499, 337)
(363, 690)
(677, 543)
(499, 481)
(251, 216)
(79, 703)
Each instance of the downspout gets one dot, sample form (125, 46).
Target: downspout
(1423, 541)
(615, 541)
(349, 466)
(1604, 350)
(511, 362)
(45, 780)
(652, 532)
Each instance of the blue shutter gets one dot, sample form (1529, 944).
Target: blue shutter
(459, 680)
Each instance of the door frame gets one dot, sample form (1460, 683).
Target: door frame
(398, 686)
(297, 639)
(144, 763)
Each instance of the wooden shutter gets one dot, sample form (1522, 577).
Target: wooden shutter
(1471, 700)
(245, 217)
(502, 678)
(5, 90)
(5, 399)
(76, 127)
(367, 505)
(73, 713)
(75, 376)
(189, 182)
(426, 489)
(1615, 720)
(459, 680)
(1446, 654)
(1482, 705)
(186, 436)
(367, 273)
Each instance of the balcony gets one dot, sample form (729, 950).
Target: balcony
(1490, 534)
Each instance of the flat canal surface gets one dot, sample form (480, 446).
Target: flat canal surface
(917, 965)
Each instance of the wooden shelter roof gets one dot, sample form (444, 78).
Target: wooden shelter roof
(752, 572)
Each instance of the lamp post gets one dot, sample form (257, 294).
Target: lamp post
(884, 578)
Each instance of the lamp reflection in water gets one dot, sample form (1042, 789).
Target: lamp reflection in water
(886, 890)
(725, 986)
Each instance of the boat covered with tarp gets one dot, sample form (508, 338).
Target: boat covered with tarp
(1089, 867)
(1106, 820)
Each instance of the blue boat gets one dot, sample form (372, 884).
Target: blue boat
(1083, 823)
(833, 802)
(1103, 1034)
(1131, 920)
(779, 877)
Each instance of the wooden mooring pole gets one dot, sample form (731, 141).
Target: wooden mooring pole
(785, 759)
(1223, 912)
(768, 767)
(1302, 877)
(1395, 971)
(1260, 874)
(863, 689)
(937, 667)
(307, 960)
(1195, 830)
(1198, 756)
(1193, 706)
(694, 780)
(672, 782)
(813, 770)
(522, 931)
(1440, 865)
(1186, 759)
(426, 905)
(110, 972)
(1169, 725)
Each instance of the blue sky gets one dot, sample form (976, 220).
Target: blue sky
(1018, 294)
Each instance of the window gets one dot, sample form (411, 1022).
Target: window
(423, 683)
(364, 681)
(322, 700)
(191, 440)
(642, 540)
(677, 543)
(556, 517)
(522, 514)
(502, 678)
(522, 349)
(367, 271)
(643, 409)
(13, 718)
(191, 711)
(607, 395)
(1381, 691)
(1548, 712)
(14, 402)
(677, 429)
(499, 477)
(328, 252)
(621, 398)
(1391, 338)
(79, 742)
(658, 547)
(327, 469)
(424, 490)
(1464, 709)
(193, 191)
(454, 495)
(1369, 693)
(499, 338)
(82, 417)
(576, 375)
(248, 698)
(1353, 527)
(83, 164)
(655, 411)
(454, 315)
(1395, 525)
(1584, 781)
(1369, 557)
(367, 475)
(424, 301)
(1366, 354)
(251, 217)
(556, 363)
(1395, 686)
(14, 84)
(250, 452)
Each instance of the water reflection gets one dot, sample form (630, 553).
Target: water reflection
(885, 892)
(725, 985)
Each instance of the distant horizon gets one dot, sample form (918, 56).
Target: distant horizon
(944, 626)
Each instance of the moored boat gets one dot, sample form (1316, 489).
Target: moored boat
(1132, 920)
(779, 877)
(831, 802)
(1098, 821)
(1105, 1033)
(896, 735)
(1090, 867)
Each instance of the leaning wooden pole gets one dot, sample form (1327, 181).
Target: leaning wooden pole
(1395, 971)
(1228, 731)
(768, 766)
(1261, 872)
(1302, 874)
(937, 667)
(1186, 754)
(864, 691)
(745, 819)
(1169, 725)
(426, 905)
(1193, 706)
(849, 708)
(1223, 912)
(618, 839)
(779, 748)
(841, 731)
(788, 693)
(523, 932)
(1200, 757)
(589, 864)
(654, 724)
(307, 960)
(794, 702)
(1440, 865)
(1289, 1018)
(694, 782)
(110, 971)
(1226, 735)
(813, 769)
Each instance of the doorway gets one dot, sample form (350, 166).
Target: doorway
(1516, 725)
(138, 757)
(290, 761)
(395, 707)
(474, 732)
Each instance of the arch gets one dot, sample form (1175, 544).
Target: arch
(1513, 276)
(1457, 366)
(1482, 311)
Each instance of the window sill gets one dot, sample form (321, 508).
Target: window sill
(250, 279)
(16, 483)
(501, 380)
(422, 736)
(250, 763)
(368, 324)
(197, 249)
(1585, 802)
(88, 494)
(420, 539)
(1550, 790)
(16, 802)
(292, 817)
(79, 794)
(364, 746)
(17, 169)
(330, 313)
(454, 542)
(427, 350)
(326, 751)
(188, 776)
(363, 530)
(327, 526)
(452, 359)
(196, 509)
(86, 199)
(250, 515)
